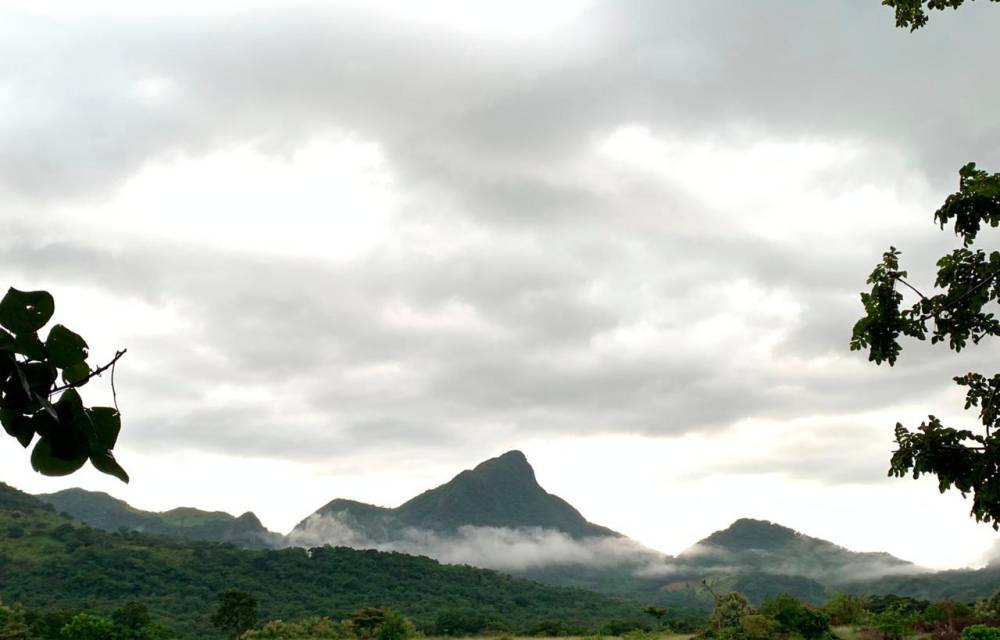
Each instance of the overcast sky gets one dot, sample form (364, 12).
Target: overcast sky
(355, 248)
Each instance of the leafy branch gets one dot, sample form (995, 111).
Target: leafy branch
(969, 283)
(68, 432)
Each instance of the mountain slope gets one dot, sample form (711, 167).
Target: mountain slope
(500, 492)
(102, 511)
(50, 562)
(762, 546)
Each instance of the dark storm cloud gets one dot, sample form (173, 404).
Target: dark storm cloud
(496, 135)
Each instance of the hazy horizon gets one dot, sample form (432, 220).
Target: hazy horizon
(354, 248)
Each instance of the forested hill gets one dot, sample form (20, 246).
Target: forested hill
(102, 511)
(500, 492)
(50, 562)
(762, 546)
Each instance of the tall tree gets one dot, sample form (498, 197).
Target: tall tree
(236, 613)
(958, 311)
(39, 382)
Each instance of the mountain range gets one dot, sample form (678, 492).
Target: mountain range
(103, 511)
(56, 567)
(497, 516)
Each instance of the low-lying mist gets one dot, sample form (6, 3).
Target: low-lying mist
(487, 547)
(533, 548)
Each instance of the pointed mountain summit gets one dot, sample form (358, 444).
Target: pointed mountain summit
(500, 492)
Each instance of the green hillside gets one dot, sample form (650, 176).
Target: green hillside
(102, 511)
(965, 585)
(759, 546)
(50, 562)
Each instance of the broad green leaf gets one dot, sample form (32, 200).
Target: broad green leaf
(105, 462)
(107, 423)
(75, 420)
(45, 461)
(6, 341)
(28, 344)
(77, 374)
(39, 376)
(45, 424)
(65, 348)
(17, 425)
(26, 311)
(16, 392)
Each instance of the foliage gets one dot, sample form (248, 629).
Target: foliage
(656, 612)
(988, 607)
(69, 433)
(87, 626)
(102, 511)
(759, 627)
(236, 613)
(795, 617)
(913, 13)
(729, 610)
(969, 281)
(395, 626)
(980, 632)
(311, 628)
(844, 609)
(13, 624)
(891, 625)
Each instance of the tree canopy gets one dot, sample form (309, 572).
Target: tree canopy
(39, 382)
(960, 312)
(913, 13)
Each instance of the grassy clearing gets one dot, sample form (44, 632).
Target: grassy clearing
(848, 633)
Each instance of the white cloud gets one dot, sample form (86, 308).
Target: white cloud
(360, 253)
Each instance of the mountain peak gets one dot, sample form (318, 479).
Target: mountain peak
(748, 533)
(513, 463)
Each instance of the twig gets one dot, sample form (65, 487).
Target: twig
(989, 278)
(989, 402)
(915, 290)
(93, 374)
(114, 393)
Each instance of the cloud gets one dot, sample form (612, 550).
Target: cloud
(328, 233)
(499, 548)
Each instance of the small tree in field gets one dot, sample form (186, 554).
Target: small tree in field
(395, 626)
(236, 613)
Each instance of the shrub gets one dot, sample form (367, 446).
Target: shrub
(845, 609)
(312, 628)
(87, 626)
(795, 617)
(395, 626)
(890, 625)
(13, 625)
(980, 632)
(729, 610)
(758, 627)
